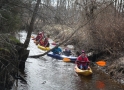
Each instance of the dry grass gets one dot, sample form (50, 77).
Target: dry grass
(107, 33)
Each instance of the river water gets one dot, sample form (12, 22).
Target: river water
(46, 73)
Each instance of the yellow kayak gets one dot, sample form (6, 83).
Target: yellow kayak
(43, 48)
(83, 72)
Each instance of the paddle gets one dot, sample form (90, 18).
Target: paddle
(66, 60)
(100, 63)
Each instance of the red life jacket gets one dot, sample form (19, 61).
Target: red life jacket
(41, 42)
(82, 60)
(40, 36)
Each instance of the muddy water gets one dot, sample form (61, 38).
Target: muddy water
(51, 74)
(46, 73)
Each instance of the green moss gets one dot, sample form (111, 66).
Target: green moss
(4, 49)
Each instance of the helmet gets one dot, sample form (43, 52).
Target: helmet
(83, 51)
(40, 32)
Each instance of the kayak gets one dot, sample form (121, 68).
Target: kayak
(62, 57)
(69, 58)
(43, 48)
(56, 56)
(83, 72)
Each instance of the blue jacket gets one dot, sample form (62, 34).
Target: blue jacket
(57, 50)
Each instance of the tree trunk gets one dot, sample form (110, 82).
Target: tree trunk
(31, 26)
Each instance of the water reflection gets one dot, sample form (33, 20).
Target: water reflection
(85, 78)
(100, 85)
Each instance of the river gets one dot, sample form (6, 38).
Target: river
(46, 73)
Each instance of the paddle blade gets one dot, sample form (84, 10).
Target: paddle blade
(66, 60)
(101, 63)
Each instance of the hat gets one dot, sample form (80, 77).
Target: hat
(83, 51)
(40, 33)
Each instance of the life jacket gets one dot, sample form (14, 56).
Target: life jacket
(82, 60)
(41, 42)
(67, 52)
(57, 50)
(40, 36)
(46, 42)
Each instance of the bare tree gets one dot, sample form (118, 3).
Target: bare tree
(31, 26)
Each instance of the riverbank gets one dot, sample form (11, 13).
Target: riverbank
(114, 68)
(12, 59)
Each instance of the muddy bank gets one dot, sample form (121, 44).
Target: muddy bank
(114, 67)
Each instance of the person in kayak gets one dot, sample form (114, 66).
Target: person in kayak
(39, 36)
(57, 50)
(41, 42)
(67, 51)
(82, 61)
(46, 41)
